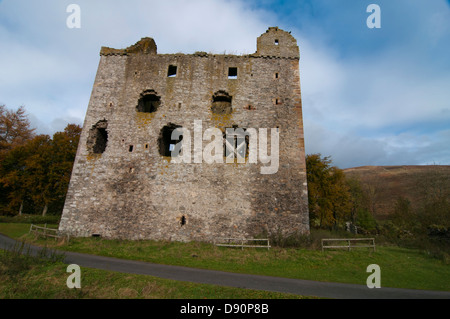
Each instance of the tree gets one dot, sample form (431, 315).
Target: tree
(12, 174)
(328, 193)
(356, 198)
(37, 171)
(37, 174)
(14, 128)
(339, 196)
(402, 214)
(64, 148)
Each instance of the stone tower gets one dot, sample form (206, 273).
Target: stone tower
(127, 182)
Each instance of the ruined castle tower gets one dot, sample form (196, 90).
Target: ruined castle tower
(125, 182)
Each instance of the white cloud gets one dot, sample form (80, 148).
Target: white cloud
(382, 110)
(50, 68)
(375, 109)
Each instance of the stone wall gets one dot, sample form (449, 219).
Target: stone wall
(131, 191)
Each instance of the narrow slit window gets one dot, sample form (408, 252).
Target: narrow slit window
(232, 73)
(130, 148)
(172, 71)
(276, 75)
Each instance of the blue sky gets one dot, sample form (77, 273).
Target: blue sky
(370, 96)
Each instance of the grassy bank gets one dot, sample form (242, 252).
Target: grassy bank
(25, 277)
(400, 267)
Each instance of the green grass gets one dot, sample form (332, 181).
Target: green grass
(14, 230)
(30, 219)
(400, 267)
(23, 277)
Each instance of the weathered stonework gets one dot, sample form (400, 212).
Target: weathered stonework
(129, 190)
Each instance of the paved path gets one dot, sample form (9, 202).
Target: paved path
(286, 285)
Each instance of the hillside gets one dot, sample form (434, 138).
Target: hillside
(387, 183)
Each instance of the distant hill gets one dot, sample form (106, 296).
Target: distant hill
(388, 183)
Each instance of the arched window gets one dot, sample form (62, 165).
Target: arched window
(221, 103)
(148, 102)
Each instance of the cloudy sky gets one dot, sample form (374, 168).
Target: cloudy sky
(370, 96)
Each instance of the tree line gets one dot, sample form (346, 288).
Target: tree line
(334, 199)
(35, 168)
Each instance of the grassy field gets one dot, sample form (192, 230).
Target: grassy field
(29, 278)
(400, 267)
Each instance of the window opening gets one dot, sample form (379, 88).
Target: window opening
(183, 220)
(98, 137)
(172, 71)
(236, 143)
(148, 102)
(130, 148)
(221, 103)
(232, 73)
(166, 144)
(277, 42)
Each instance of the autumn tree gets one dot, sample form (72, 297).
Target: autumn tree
(328, 193)
(36, 174)
(63, 150)
(35, 177)
(12, 174)
(361, 205)
(14, 128)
